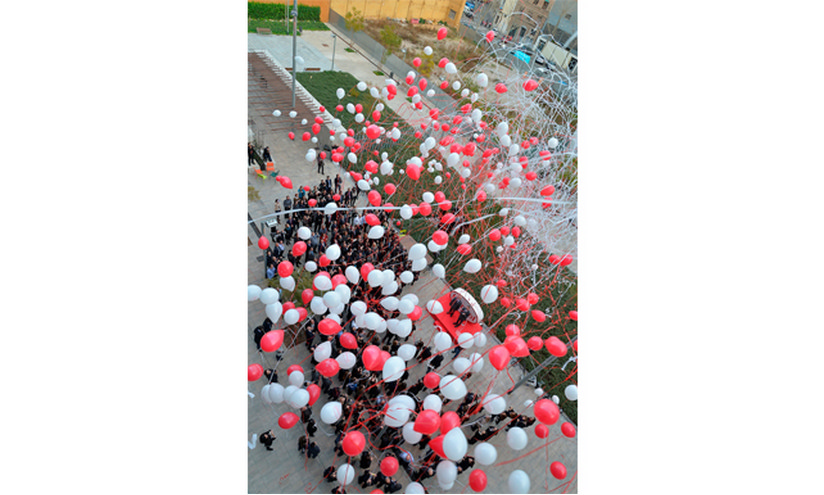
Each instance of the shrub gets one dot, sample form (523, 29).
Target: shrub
(256, 10)
(354, 20)
(389, 39)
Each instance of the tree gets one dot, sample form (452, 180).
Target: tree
(354, 20)
(389, 39)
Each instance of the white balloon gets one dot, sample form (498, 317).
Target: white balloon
(434, 307)
(358, 308)
(485, 454)
(311, 155)
(393, 369)
(427, 50)
(304, 233)
(340, 93)
(372, 320)
(443, 341)
(438, 270)
(414, 487)
(390, 289)
(418, 265)
(452, 387)
(346, 360)
(296, 378)
(331, 412)
(293, 114)
(253, 292)
(264, 394)
(376, 232)
(433, 402)
(344, 292)
(412, 297)
(438, 179)
(410, 435)
(519, 482)
(450, 68)
(460, 365)
(455, 444)
(417, 252)
(269, 296)
(317, 305)
(291, 316)
(396, 415)
(463, 239)
(330, 208)
(406, 214)
(361, 86)
(276, 113)
(374, 278)
(477, 360)
(465, 340)
(571, 392)
(303, 121)
(346, 474)
(335, 318)
(428, 197)
(430, 93)
(333, 252)
(322, 282)
(276, 391)
(489, 294)
(456, 85)
(404, 328)
(331, 299)
(390, 303)
(406, 306)
(299, 398)
(516, 438)
(310, 266)
(477, 115)
(552, 143)
(446, 471)
(482, 80)
(352, 274)
(288, 283)
(406, 352)
(323, 351)
(273, 311)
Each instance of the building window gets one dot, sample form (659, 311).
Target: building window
(452, 14)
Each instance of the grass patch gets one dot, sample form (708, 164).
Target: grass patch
(350, 50)
(378, 73)
(279, 27)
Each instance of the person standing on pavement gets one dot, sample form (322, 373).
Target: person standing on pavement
(287, 206)
(266, 156)
(267, 438)
(251, 154)
(338, 184)
(320, 167)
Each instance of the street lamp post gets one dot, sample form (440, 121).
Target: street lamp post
(294, 50)
(334, 45)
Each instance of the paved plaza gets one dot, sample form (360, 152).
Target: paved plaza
(286, 470)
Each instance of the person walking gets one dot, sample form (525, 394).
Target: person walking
(266, 156)
(313, 450)
(338, 184)
(320, 167)
(267, 438)
(251, 151)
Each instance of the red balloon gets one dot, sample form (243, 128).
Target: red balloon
(328, 367)
(287, 420)
(255, 372)
(512, 330)
(558, 470)
(294, 367)
(442, 33)
(548, 190)
(389, 466)
(442, 63)
(494, 235)
(376, 490)
(573, 315)
(477, 478)
(541, 431)
(338, 280)
(534, 343)
(416, 314)
(490, 35)
(432, 380)
(297, 250)
(506, 302)
(372, 219)
(373, 131)
(348, 341)
(425, 208)
(328, 326)
(285, 181)
(566, 260)
(413, 171)
(521, 304)
(546, 412)
(307, 295)
(302, 313)
(263, 243)
(371, 358)
(365, 269)
(314, 393)
(440, 237)
(271, 341)
(436, 444)
(449, 420)
(464, 249)
(516, 346)
(292, 136)
(285, 268)
(389, 189)
(499, 357)
(315, 128)
(539, 316)
(500, 88)
(427, 422)
(374, 198)
(568, 429)
(324, 261)
(530, 85)
(555, 346)
(288, 305)
(353, 443)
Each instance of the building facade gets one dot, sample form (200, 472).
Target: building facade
(448, 11)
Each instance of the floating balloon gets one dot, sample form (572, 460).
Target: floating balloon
(255, 372)
(485, 454)
(547, 412)
(331, 412)
(477, 480)
(287, 420)
(518, 482)
(558, 470)
(353, 443)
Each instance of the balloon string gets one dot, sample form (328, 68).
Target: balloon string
(528, 453)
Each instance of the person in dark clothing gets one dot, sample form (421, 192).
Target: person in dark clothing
(454, 303)
(368, 478)
(365, 460)
(311, 428)
(462, 316)
(329, 474)
(271, 375)
(338, 183)
(320, 167)
(338, 489)
(417, 387)
(302, 444)
(258, 334)
(393, 486)
(466, 463)
(424, 473)
(313, 450)
(266, 156)
(267, 438)
(435, 362)
(251, 150)
(305, 414)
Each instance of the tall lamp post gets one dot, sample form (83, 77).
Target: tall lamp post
(294, 50)
(334, 45)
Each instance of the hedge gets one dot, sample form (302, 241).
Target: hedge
(257, 10)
